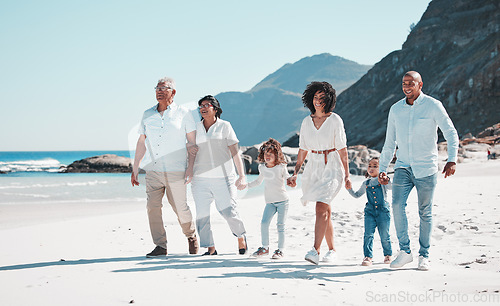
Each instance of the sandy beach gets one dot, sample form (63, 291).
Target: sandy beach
(52, 255)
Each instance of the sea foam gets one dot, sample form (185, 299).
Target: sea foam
(49, 165)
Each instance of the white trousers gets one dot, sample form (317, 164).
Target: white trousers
(222, 191)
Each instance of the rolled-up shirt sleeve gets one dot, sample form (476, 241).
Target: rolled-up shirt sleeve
(449, 132)
(389, 144)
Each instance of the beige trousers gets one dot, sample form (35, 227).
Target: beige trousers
(171, 183)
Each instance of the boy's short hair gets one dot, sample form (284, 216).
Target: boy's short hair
(373, 158)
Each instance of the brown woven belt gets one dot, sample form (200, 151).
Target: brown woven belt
(325, 152)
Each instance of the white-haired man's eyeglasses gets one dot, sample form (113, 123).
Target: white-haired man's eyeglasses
(162, 88)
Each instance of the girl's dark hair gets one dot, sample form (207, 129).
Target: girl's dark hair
(275, 147)
(214, 102)
(329, 100)
(373, 158)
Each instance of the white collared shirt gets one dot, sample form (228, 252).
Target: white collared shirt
(413, 129)
(166, 138)
(214, 160)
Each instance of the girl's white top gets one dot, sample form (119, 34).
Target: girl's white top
(275, 182)
(320, 182)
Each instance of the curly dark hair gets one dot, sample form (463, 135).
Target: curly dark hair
(330, 96)
(215, 103)
(275, 147)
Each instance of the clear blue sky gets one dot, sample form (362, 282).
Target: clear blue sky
(77, 75)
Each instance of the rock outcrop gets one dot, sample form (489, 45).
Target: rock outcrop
(292, 142)
(107, 163)
(455, 46)
(359, 156)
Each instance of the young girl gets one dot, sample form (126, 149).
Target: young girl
(274, 172)
(377, 213)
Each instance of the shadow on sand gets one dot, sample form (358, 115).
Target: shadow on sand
(283, 269)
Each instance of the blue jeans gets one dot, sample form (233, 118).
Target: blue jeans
(380, 218)
(403, 183)
(271, 209)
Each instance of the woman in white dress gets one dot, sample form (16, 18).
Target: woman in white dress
(214, 178)
(322, 134)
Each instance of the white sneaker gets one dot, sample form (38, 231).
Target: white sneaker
(423, 263)
(312, 256)
(402, 259)
(329, 256)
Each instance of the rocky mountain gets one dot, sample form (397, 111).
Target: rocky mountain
(273, 107)
(340, 72)
(455, 47)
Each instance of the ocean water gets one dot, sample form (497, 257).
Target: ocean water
(35, 178)
(27, 163)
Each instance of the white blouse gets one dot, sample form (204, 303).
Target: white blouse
(322, 181)
(331, 134)
(214, 160)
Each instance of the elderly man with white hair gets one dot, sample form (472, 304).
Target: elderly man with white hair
(167, 131)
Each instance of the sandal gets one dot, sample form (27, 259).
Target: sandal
(208, 253)
(244, 250)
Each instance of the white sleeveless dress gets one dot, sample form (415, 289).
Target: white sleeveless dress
(320, 182)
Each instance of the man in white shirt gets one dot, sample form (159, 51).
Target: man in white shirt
(412, 127)
(167, 130)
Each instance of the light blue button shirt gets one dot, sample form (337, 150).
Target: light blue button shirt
(413, 129)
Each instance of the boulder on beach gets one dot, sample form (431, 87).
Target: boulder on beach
(107, 163)
(359, 156)
(251, 154)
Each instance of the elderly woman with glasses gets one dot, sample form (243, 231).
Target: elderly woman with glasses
(322, 134)
(214, 178)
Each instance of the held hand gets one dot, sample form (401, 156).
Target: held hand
(133, 179)
(241, 183)
(449, 169)
(383, 179)
(348, 184)
(192, 150)
(188, 177)
(292, 181)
